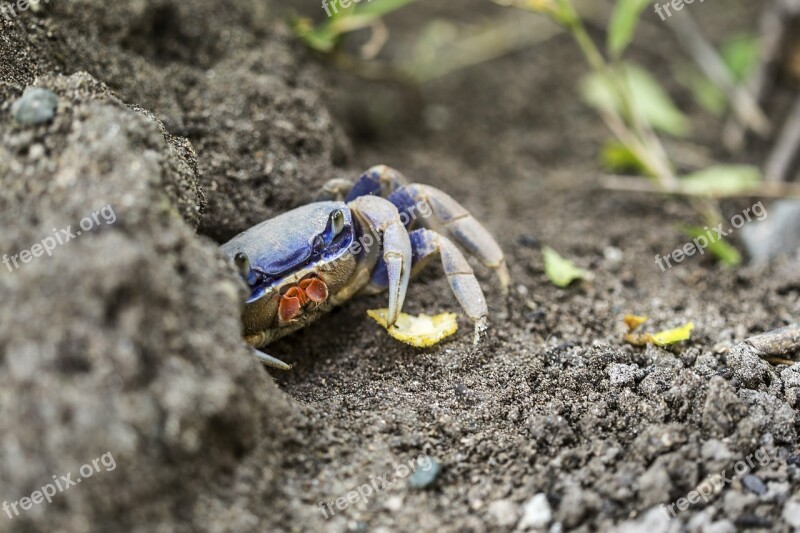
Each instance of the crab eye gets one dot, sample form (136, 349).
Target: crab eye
(337, 222)
(243, 265)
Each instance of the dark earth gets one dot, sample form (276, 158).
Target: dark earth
(195, 120)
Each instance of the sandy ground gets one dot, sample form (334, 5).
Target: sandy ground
(552, 423)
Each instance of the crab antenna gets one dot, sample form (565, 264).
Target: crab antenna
(243, 264)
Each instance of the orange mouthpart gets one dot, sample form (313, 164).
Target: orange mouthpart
(315, 289)
(293, 300)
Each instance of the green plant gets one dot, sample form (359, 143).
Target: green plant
(632, 103)
(636, 109)
(327, 36)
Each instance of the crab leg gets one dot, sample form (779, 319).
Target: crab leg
(438, 211)
(272, 361)
(334, 190)
(380, 180)
(425, 244)
(381, 218)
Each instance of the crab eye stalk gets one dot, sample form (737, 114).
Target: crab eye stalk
(243, 265)
(337, 222)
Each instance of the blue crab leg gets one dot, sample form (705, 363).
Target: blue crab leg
(380, 217)
(380, 181)
(426, 244)
(433, 209)
(334, 190)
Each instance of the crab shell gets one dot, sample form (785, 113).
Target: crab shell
(284, 252)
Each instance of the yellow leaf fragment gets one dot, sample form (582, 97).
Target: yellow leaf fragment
(662, 338)
(634, 321)
(671, 336)
(418, 331)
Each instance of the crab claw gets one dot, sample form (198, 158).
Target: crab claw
(291, 304)
(315, 289)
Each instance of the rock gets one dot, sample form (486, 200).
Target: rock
(35, 106)
(716, 451)
(622, 375)
(536, 513)
(720, 526)
(425, 478)
(653, 521)
(504, 513)
(722, 409)
(775, 415)
(754, 484)
(776, 234)
(613, 255)
(777, 491)
(791, 513)
(654, 485)
(791, 376)
(748, 368)
(394, 503)
(737, 504)
(699, 521)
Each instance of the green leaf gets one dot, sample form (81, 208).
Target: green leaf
(705, 93)
(741, 54)
(561, 272)
(622, 26)
(708, 96)
(321, 39)
(721, 249)
(617, 158)
(649, 99)
(722, 180)
(356, 16)
(379, 8)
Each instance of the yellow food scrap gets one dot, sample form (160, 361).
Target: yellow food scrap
(662, 338)
(671, 336)
(419, 331)
(633, 321)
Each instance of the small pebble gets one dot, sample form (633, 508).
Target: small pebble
(766, 238)
(394, 504)
(754, 484)
(721, 526)
(35, 106)
(536, 513)
(622, 375)
(504, 512)
(528, 241)
(613, 255)
(422, 478)
(791, 513)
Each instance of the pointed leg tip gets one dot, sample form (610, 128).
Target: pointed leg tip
(391, 317)
(481, 326)
(273, 362)
(504, 278)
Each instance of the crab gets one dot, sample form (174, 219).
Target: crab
(358, 239)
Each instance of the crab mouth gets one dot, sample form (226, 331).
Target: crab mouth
(310, 291)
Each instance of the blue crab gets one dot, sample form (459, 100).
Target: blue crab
(365, 238)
